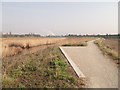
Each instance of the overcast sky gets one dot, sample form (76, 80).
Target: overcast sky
(60, 17)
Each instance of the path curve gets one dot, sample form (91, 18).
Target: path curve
(101, 71)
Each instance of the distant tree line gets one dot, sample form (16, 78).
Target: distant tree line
(68, 35)
(20, 35)
(110, 36)
(98, 35)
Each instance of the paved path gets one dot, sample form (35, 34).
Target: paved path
(101, 71)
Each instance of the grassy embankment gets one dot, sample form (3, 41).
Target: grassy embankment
(42, 69)
(107, 50)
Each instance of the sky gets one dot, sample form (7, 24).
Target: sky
(60, 18)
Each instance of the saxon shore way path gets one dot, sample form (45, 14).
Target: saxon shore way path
(100, 70)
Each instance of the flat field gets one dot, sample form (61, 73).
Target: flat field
(12, 46)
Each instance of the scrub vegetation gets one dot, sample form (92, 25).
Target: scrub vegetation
(44, 69)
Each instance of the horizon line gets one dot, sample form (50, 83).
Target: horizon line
(60, 1)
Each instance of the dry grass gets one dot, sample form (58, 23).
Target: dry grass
(31, 41)
(13, 46)
(76, 40)
(109, 47)
(112, 43)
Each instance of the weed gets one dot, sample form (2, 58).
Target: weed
(64, 85)
(16, 73)
(30, 67)
(63, 75)
(58, 63)
(48, 72)
(71, 79)
(20, 86)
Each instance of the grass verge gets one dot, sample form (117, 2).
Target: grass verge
(106, 50)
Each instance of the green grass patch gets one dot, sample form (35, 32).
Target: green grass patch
(21, 69)
(57, 71)
(20, 86)
(29, 66)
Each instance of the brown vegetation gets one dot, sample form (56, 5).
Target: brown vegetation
(13, 46)
(112, 44)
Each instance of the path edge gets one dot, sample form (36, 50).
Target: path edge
(74, 66)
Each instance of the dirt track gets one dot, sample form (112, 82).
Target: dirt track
(101, 71)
